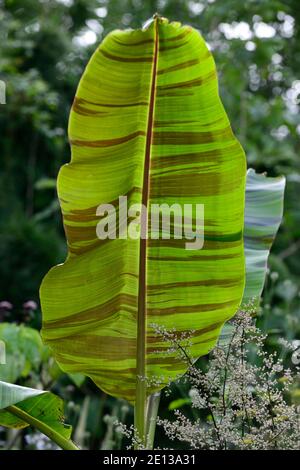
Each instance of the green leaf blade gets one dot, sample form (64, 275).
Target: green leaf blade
(90, 303)
(22, 406)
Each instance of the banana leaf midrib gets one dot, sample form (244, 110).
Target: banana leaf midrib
(142, 307)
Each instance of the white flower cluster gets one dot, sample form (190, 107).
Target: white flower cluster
(244, 398)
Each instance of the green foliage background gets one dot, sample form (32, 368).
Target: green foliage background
(44, 47)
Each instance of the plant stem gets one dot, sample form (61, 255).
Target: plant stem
(79, 434)
(152, 410)
(226, 371)
(61, 441)
(140, 412)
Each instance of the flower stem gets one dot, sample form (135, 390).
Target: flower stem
(152, 410)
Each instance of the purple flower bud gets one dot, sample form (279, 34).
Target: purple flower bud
(30, 305)
(5, 305)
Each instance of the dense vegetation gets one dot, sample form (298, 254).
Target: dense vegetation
(44, 48)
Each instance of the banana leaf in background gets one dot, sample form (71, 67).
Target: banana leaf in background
(263, 215)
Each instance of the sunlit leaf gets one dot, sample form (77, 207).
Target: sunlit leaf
(147, 123)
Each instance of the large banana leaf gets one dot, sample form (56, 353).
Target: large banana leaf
(147, 122)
